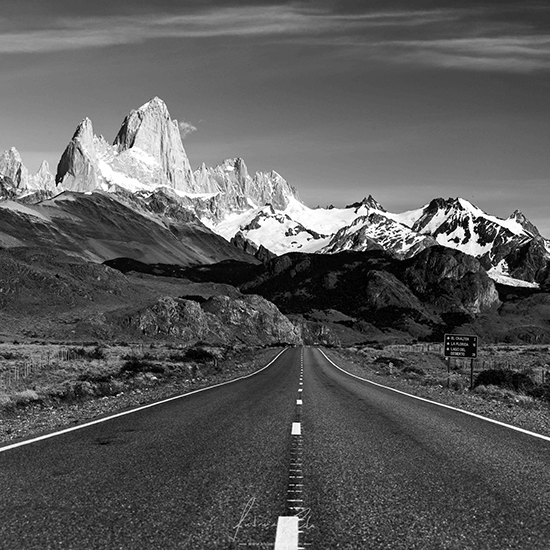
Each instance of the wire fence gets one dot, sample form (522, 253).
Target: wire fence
(12, 375)
(14, 371)
(540, 374)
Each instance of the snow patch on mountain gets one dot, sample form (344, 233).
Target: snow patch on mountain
(502, 278)
(376, 230)
(408, 218)
(323, 220)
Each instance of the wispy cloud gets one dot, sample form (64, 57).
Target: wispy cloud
(256, 21)
(186, 128)
(503, 53)
(476, 39)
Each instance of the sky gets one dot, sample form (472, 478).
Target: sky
(402, 100)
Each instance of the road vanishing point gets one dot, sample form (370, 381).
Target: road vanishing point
(300, 455)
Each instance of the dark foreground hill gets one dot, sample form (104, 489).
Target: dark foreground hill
(372, 296)
(437, 291)
(46, 294)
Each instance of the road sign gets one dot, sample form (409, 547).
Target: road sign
(460, 345)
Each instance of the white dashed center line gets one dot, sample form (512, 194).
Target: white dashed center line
(287, 533)
(288, 527)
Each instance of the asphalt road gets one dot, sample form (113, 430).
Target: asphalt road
(177, 475)
(386, 471)
(211, 470)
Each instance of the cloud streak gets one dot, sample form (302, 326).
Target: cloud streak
(503, 53)
(186, 128)
(451, 38)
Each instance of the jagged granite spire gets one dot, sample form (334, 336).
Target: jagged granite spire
(14, 171)
(78, 167)
(232, 178)
(150, 130)
(12, 167)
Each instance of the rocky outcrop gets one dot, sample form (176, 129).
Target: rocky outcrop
(78, 168)
(259, 252)
(368, 202)
(250, 320)
(527, 225)
(530, 262)
(7, 188)
(450, 280)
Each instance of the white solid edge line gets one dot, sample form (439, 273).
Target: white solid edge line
(503, 424)
(124, 413)
(286, 537)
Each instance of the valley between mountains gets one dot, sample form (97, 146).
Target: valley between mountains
(128, 277)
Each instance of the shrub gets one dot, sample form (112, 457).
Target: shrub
(94, 377)
(387, 360)
(199, 355)
(7, 355)
(525, 401)
(112, 387)
(178, 358)
(144, 356)
(135, 365)
(540, 391)
(25, 397)
(505, 378)
(83, 389)
(98, 352)
(456, 383)
(494, 391)
(414, 370)
(5, 400)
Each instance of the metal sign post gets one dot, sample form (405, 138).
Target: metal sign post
(461, 345)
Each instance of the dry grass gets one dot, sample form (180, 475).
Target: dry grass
(57, 372)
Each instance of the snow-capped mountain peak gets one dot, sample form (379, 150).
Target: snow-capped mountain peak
(367, 202)
(147, 159)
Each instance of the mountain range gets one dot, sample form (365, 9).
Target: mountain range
(138, 199)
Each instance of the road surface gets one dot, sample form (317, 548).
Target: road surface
(367, 467)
